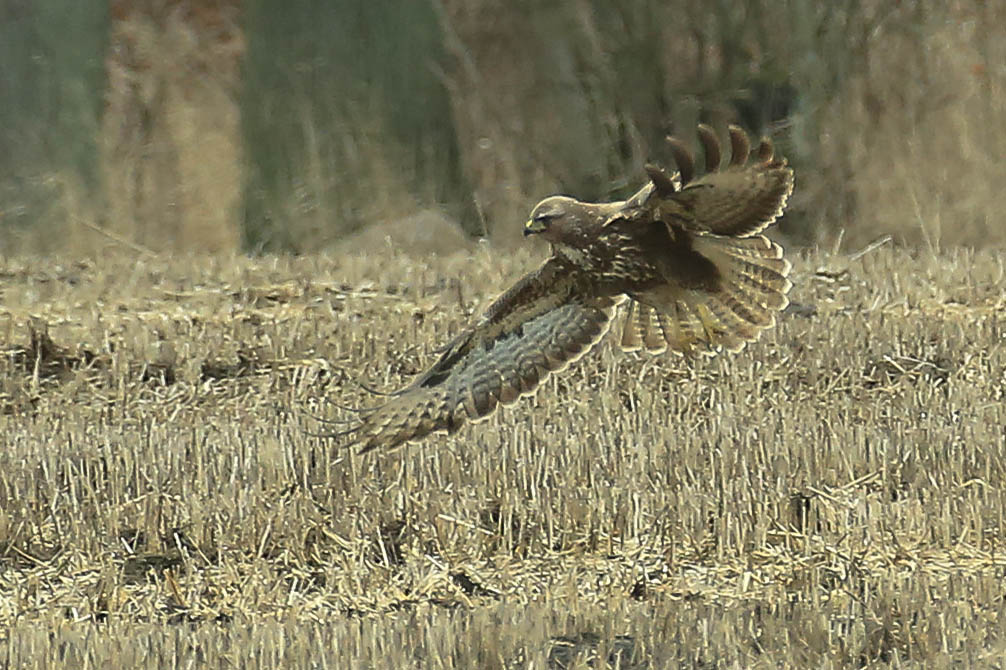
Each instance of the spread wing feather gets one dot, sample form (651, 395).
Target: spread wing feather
(739, 200)
(747, 286)
(723, 283)
(735, 202)
(685, 248)
(546, 321)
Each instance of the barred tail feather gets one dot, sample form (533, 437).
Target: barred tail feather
(645, 328)
(752, 287)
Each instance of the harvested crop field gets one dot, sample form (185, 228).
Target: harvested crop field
(832, 496)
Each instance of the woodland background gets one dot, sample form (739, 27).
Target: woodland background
(178, 125)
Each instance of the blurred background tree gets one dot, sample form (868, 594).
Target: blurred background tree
(202, 125)
(171, 146)
(50, 113)
(346, 120)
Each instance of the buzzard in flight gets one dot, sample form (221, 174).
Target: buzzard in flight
(684, 250)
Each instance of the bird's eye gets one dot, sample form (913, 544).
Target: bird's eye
(543, 217)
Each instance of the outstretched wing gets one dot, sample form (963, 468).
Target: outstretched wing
(720, 293)
(723, 283)
(739, 199)
(544, 322)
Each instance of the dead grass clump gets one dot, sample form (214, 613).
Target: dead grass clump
(420, 235)
(43, 358)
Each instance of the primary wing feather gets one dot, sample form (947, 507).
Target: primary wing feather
(723, 283)
(544, 322)
(737, 201)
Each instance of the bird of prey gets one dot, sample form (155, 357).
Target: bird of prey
(684, 252)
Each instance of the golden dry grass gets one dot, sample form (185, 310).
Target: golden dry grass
(831, 497)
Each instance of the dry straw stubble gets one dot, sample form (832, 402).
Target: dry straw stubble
(831, 494)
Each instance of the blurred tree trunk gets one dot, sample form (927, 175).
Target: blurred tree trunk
(518, 107)
(171, 141)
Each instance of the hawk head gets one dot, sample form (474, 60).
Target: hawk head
(570, 225)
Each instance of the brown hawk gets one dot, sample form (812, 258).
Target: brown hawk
(684, 250)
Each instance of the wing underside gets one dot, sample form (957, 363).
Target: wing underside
(535, 329)
(750, 289)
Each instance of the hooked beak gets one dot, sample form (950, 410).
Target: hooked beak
(532, 227)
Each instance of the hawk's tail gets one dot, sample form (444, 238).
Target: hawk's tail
(751, 287)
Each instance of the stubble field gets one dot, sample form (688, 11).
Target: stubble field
(832, 496)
